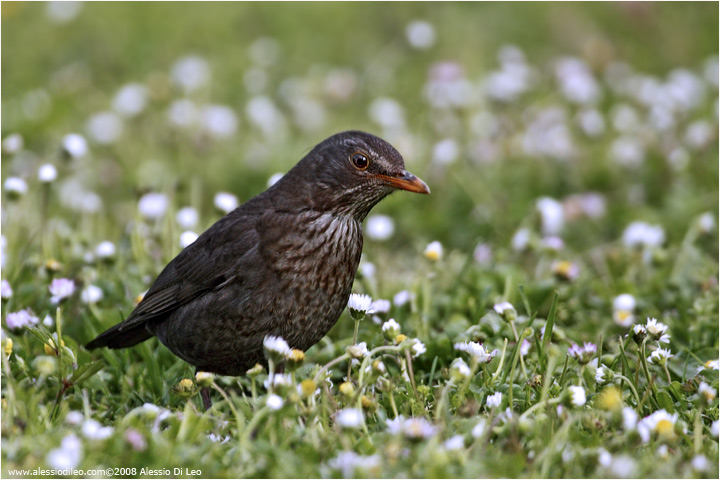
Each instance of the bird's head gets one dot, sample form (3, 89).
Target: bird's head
(350, 172)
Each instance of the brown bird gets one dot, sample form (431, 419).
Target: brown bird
(281, 264)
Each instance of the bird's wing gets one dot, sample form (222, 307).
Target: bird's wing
(202, 266)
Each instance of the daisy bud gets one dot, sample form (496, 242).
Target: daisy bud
(459, 371)
(374, 370)
(204, 379)
(276, 349)
(15, 187)
(278, 383)
(357, 351)
(659, 357)
(390, 329)
(53, 266)
(576, 396)
(604, 375)
(400, 338)
(565, 270)
(368, 404)
(294, 359)
(378, 367)
(656, 330)
(185, 387)
(706, 393)
(255, 371)
(639, 333)
(385, 385)
(347, 389)
(50, 347)
(307, 388)
(506, 311)
(359, 305)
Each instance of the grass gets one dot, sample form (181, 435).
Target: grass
(514, 409)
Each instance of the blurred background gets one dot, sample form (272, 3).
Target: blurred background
(605, 113)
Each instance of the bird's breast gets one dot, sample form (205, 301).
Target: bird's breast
(314, 264)
(321, 254)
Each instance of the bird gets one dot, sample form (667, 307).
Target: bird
(281, 264)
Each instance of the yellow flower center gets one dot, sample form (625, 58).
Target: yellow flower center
(664, 428)
(308, 387)
(711, 364)
(7, 346)
(563, 266)
(50, 348)
(347, 389)
(53, 265)
(296, 355)
(186, 384)
(432, 255)
(610, 399)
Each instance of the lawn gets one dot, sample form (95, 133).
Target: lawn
(550, 310)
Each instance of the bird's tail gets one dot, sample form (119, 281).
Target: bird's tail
(121, 336)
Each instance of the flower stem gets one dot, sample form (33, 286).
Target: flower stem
(412, 375)
(368, 358)
(541, 403)
(697, 430)
(502, 360)
(354, 342)
(643, 361)
(252, 424)
(392, 404)
(62, 386)
(339, 359)
(562, 376)
(632, 387)
(473, 371)
(667, 372)
(271, 375)
(512, 324)
(9, 382)
(230, 404)
(439, 410)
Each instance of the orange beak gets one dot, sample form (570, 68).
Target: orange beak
(405, 181)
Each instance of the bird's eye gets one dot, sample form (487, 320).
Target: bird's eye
(360, 161)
